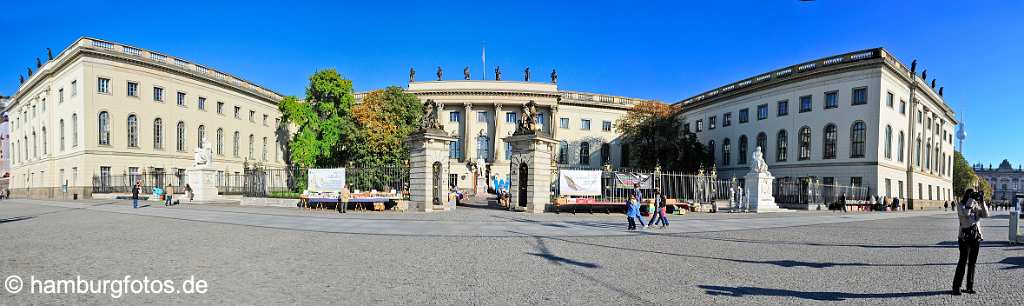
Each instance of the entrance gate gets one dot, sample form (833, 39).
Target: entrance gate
(437, 184)
(523, 182)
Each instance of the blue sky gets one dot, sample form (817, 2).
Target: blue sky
(666, 50)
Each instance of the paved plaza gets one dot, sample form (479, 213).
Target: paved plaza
(253, 255)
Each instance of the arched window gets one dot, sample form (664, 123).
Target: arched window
(726, 147)
(104, 126)
(483, 147)
(158, 133)
(888, 142)
(829, 144)
(899, 147)
(742, 159)
(563, 152)
(780, 146)
(35, 145)
(584, 153)
(858, 136)
(74, 130)
(252, 150)
(133, 131)
(44, 140)
(804, 140)
(181, 136)
(606, 153)
(762, 141)
(264, 157)
(200, 134)
(220, 141)
(61, 134)
(928, 155)
(236, 139)
(711, 151)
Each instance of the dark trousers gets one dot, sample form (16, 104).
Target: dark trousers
(968, 256)
(632, 223)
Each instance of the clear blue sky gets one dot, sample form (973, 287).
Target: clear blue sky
(667, 50)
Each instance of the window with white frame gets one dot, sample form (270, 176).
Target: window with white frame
(103, 85)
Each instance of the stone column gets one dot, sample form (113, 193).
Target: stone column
(469, 137)
(427, 149)
(499, 134)
(531, 153)
(555, 122)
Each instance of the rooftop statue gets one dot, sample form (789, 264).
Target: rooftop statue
(497, 73)
(465, 72)
(430, 117)
(38, 63)
(49, 54)
(526, 74)
(554, 77)
(412, 75)
(439, 73)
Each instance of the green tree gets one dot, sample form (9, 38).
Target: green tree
(326, 128)
(385, 118)
(964, 177)
(655, 137)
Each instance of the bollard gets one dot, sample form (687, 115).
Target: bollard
(1014, 228)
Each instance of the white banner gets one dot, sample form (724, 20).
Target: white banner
(579, 182)
(325, 180)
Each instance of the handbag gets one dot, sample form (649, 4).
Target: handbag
(971, 234)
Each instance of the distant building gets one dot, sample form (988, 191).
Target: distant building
(1006, 182)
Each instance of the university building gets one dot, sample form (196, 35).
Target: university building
(861, 118)
(1006, 182)
(100, 109)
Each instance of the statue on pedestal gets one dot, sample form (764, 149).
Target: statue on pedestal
(758, 165)
(430, 110)
(497, 73)
(528, 123)
(465, 72)
(412, 75)
(203, 157)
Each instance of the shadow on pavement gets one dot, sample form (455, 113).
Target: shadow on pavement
(1014, 262)
(943, 244)
(810, 295)
(15, 219)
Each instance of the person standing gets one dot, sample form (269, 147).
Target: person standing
(188, 193)
(135, 194)
(167, 195)
(842, 202)
(632, 211)
(969, 211)
(659, 205)
(638, 198)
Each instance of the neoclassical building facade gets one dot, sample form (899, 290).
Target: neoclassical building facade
(100, 109)
(861, 118)
(1006, 181)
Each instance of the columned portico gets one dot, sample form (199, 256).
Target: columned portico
(469, 134)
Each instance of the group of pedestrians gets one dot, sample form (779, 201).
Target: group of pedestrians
(167, 192)
(633, 209)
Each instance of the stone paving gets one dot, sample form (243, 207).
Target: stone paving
(484, 256)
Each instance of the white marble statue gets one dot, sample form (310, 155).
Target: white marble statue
(759, 165)
(203, 157)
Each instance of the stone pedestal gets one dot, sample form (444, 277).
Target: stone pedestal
(204, 184)
(530, 170)
(428, 170)
(759, 192)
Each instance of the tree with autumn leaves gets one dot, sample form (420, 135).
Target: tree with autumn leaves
(654, 137)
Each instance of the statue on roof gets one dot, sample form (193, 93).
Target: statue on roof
(933, 83)
(465, 73)
(497, 73)
(21, 79)
(412, 75)
(526, 74)
(913, 67)
(439, 73)
(38, 63)
(940, 90)
(29, 72)
(924, 75)
(49, 54)
(554, 77)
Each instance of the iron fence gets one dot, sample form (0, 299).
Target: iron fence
(803, 191)
(262, 182)
(616, 185)
(123, 183)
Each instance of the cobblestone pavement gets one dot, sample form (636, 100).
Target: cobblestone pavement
(482, 256)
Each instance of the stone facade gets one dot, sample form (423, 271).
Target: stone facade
(531, 190)
(1006, 181)
(428, 170)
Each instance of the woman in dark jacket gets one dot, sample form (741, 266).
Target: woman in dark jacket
(969, 211)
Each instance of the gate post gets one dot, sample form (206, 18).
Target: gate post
(426, 147)
(532, 153)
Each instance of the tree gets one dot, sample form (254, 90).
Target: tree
(655, 137)
(964, 177)
(326, 128)
(385, 118)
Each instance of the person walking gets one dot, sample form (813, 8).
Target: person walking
(659, 209)
(632, 211)
(135, 194)
(842, 202)
(969, 212)
(168, 191)
(188, 193)
(638, 199)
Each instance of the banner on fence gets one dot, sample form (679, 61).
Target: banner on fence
(626, 180)
(326, 180)
(579, 182)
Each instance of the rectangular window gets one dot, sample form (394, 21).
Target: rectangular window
(727, 119)
(74, 88)
(899, 188)
(158, 94)
(60, 95)
(540, 118)
(220, 107)
(133, 89)
(585, 124)
(606, 126)
(700, 125)
(783, 108)
(201, 103)
(238, 112)
(453, 117)
(508, 151)
(903, 107)
(831, 99)
(252, 116)
(181, 99)
(888, 187)
(563, 123)
(762, 112)
(265, 119)
(686, 127)
(744, 115)
(712, 122)
(103, 85)
(859, 96)
(889, 99)
(455, 149)
(481, 116)
(104, 176)
(856, 181)
(511, 117)
(805, 104)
